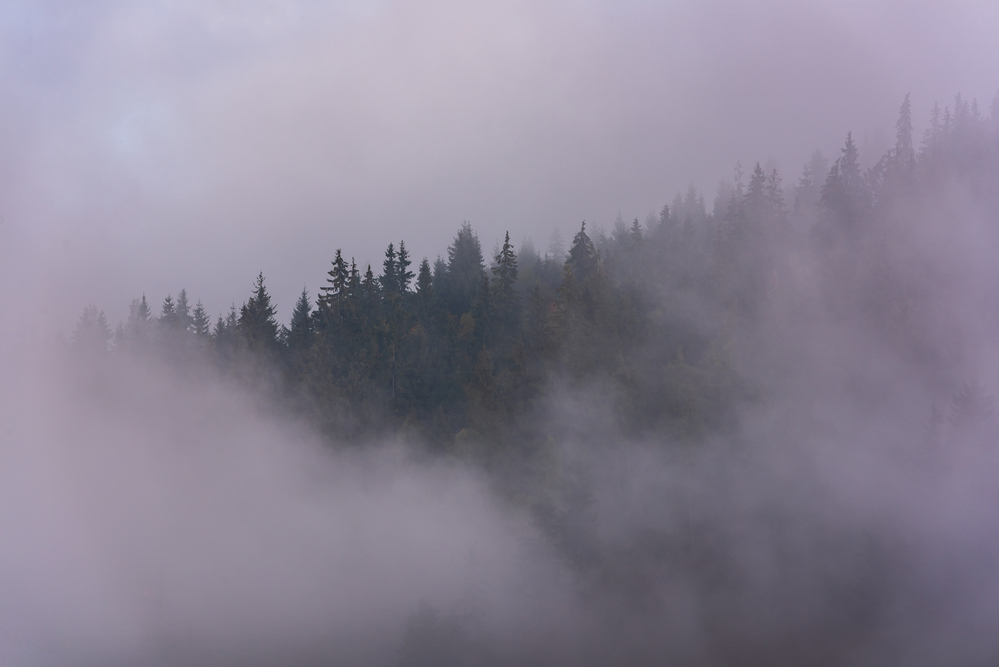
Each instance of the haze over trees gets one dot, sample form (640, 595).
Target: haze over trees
(673, 331)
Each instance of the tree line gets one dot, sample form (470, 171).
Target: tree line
(468, 352)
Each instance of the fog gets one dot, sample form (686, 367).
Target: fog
(842, 511)
(156, 146)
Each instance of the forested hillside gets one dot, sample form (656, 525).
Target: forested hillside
(467, 350)
(782, 354)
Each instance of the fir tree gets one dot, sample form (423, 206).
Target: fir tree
(139, 320)
(582, 255)
(256, 325)
(200, 324)
(300, 333)
(905, 155)
(389, 279)
(465, 269)
(505, 271)
(424, 284)
(335, 290)
(403, 262)
(168, 314)
(183, 311)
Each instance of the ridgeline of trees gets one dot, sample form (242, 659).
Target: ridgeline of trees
(466, 352)
(659, 331)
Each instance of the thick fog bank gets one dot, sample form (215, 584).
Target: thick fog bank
(154, 519)
(821, 490)
(157, 517)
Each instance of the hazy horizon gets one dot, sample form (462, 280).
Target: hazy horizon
(158, 146)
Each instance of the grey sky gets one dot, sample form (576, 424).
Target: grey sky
(146, 147)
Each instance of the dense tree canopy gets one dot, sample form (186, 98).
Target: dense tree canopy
(468, 358)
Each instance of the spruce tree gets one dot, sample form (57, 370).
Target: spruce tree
(335, 290)
(465, 269)
(424, 284)
(139, 321)
(905, 155)
(200, 323)
(301, 332)
(403, 263)
(505, 271)
(582, 255)
(257, 326)
(183, 311)
(389, 279)
(168, 313)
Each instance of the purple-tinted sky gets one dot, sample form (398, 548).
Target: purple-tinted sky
(146, 147)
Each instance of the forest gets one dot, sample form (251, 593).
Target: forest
(694, 330)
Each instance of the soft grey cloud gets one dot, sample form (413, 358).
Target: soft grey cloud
(154, 146)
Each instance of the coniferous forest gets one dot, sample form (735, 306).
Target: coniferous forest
(791, 299)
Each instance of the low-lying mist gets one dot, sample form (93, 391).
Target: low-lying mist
(762, 437)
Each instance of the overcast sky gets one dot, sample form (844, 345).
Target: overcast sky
(149, 146)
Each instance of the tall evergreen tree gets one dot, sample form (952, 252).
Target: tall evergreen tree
(257, 326)
(168, 313)
(403, 262)
(337, 282)
(582, 255)
(139, 320)
(389, 279)
(183, 311)
(465, 269)
(200, 323)
(905, 154)
(505, 271)
(300, 333)
(425, 284)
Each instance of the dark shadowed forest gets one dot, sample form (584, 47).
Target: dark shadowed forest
(673, 401)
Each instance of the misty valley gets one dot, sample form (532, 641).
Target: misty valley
(757, 427)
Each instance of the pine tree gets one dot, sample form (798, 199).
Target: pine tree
(465, 269)
(844, 194)
(905, 155)
(635, 233)
(168, 313)
(424, 284)
(507, 301)
(389, 279)
(335, 291)
(403, 263)
(300, 334)
(556, 247)
(257, 325)
(183, 311)
(200, 324)
(582, 255)
(139, 320)
(505, 271)
(370, 291)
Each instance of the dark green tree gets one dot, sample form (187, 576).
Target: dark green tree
(183, 311)
(582, 255)
(389, 279)
(200, 324)
(403, 263)
(465, 269)
(300, 334)
(256, 325)
(424, 284)
(168, 314)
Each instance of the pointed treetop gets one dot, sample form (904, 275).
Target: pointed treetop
(582, 255)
